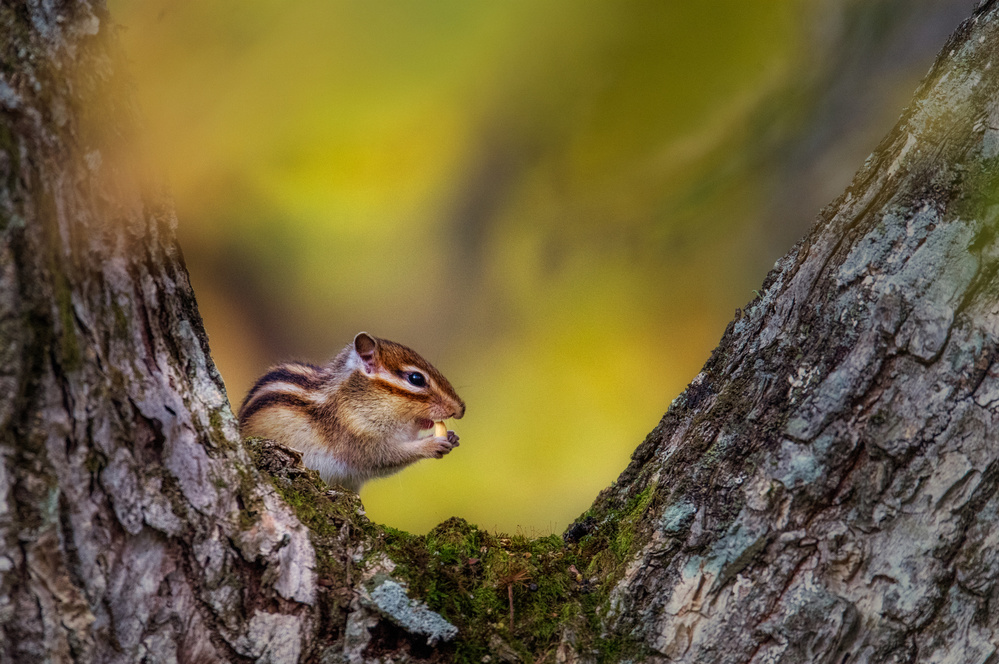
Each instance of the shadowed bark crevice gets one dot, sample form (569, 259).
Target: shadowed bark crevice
(825, 490)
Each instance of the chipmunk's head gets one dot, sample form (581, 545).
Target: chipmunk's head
(390, 372)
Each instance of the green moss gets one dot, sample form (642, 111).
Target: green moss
(323, 511)
(249, 504)
(120, 329)
(216, 430)
(69, 345)
(324, 516)
(623, 543)
(8, 144)
(171, 489)
(95, 462)
(473, 577)
(215, 420)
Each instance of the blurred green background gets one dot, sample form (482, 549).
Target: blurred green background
(558, 203)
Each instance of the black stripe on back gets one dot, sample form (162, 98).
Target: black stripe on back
(252, 406)
(282, 374)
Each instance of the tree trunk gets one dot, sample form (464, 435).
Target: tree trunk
(132, 524)
(824, 491)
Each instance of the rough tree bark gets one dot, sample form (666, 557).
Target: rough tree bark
(824, 491)
(124, 492)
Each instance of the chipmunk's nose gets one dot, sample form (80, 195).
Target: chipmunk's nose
(459, 411)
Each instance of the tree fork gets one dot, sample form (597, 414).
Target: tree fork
(824, 491)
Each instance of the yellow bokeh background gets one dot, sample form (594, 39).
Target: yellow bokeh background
(560, 204)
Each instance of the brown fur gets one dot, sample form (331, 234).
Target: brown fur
(353, 424)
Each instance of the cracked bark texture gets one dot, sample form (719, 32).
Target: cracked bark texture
(125, 526)
(824, 491)
(826, 488)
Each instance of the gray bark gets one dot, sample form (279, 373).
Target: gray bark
(123, 489)
(824, 491)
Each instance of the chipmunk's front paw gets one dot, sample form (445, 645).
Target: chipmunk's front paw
(438, 446)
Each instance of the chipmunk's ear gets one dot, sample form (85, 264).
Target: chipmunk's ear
(366, 348)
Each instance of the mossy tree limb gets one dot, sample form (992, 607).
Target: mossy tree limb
(824, 491)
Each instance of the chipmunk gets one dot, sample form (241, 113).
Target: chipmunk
(359, 416)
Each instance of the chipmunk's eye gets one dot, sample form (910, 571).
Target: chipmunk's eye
(416, 378)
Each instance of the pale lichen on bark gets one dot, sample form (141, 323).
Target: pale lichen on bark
(123, 476)
(824, 491)
(859, 391)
